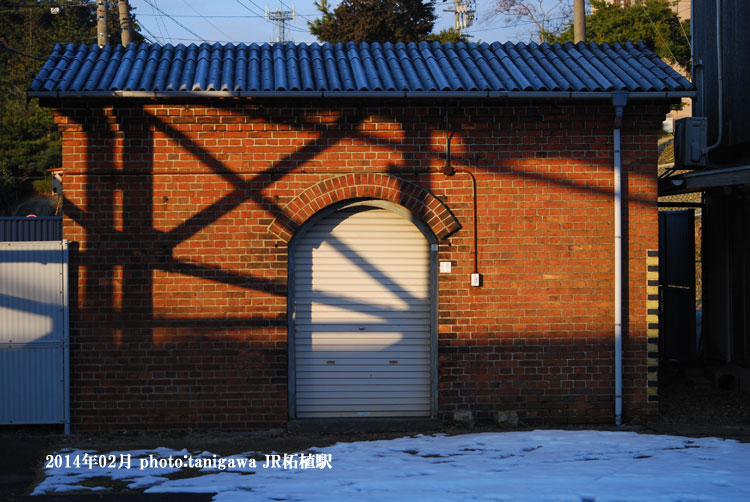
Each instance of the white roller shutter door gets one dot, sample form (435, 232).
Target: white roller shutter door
(362, 320)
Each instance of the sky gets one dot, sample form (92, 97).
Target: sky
(185, 21)
(533, 466)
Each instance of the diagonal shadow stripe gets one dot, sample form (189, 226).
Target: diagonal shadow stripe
(396, 288)
(359, 306)
(558, 181)
(245, 189)
(257, 283)
(21, 304)
(248, 189)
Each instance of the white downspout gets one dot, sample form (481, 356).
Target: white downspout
(619, 100)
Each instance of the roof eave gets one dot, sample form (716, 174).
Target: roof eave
(208, 95)
(704, 180)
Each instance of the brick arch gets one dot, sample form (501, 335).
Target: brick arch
(425, 206)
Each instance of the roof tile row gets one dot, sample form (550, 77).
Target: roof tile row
(350, 67)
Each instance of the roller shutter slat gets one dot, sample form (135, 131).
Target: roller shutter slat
(362, 317)
(364, 384)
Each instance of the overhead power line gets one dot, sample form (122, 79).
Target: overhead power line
(260, 10)
(280, 18)
(303, 16)
(190, 16)
(464, 12)
(173, 19)
(45, 7)
(153, 38)
(658, 34)
(8, 48)
(159, 18)
(206, 19)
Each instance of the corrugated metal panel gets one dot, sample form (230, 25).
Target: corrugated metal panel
(726, 276)
(347, 68)
(735, 93)
(31, 388)
(33, 332)
(44, 228)
(677, 334)
(362, 317)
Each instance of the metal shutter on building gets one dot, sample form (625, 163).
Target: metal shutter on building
(362, 317)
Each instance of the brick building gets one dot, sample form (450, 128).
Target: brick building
(276, 232)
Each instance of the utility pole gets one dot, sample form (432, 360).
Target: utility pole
(126, 27)
(463, 14)
(579, 21)
(280, 18)
(102, 37)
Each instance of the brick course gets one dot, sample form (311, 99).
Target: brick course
(180, 215)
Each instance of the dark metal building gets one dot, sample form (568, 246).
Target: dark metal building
(721, 46)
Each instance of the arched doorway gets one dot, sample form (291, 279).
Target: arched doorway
(363, 317)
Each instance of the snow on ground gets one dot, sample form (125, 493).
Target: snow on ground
(544, 466)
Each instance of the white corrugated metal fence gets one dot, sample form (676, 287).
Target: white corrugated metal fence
(34, 333)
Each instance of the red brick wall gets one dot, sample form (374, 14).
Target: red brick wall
(180, 216)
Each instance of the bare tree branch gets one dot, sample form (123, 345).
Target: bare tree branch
(547, 16)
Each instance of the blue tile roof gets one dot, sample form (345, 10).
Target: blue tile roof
(415, 69)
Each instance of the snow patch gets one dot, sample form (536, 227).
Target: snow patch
(538, 466)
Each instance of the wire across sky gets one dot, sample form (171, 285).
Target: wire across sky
(235, 21)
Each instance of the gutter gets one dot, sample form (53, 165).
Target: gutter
(619, 100)
(648, 95)
(703, 180)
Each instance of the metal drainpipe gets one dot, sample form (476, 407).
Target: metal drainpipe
(449, 170)
(720, 79)
(619, 100)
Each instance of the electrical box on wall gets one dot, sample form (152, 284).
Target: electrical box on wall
(476, 279)
(690, 142)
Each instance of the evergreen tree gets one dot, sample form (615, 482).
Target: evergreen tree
(375, 21)
(447, 35)
(651, 21)
(29, 140)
